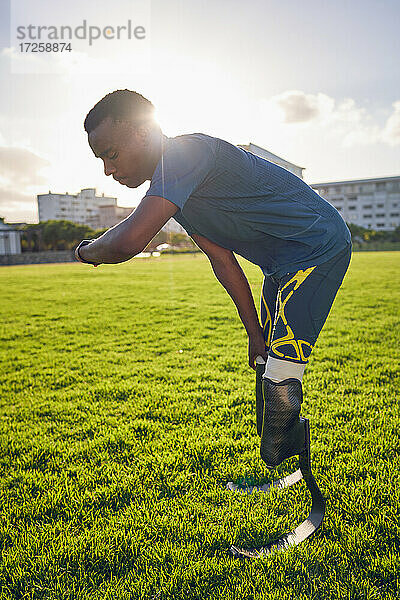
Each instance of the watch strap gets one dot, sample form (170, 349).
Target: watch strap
(84, 243)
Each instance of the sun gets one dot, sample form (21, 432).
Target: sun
(201, 100)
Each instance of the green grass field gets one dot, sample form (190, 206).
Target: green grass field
(127, 405)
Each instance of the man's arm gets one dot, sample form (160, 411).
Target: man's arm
(131, 236)
(229, 273)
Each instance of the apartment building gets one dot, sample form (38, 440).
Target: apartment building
(82, 208)
(110, 215)
(371, 203)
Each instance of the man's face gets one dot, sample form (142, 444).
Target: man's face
(125, 151)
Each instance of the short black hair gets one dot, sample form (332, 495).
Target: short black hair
(121, 105)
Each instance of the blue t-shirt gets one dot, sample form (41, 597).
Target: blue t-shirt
(247, 204)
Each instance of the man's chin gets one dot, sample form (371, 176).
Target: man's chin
(130, 183)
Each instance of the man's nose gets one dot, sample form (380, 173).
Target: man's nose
(109, 169)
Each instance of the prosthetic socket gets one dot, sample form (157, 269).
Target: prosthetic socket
(278, 418)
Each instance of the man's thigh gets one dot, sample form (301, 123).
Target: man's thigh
(304, 300)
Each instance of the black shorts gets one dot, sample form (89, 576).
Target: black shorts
(295, 307)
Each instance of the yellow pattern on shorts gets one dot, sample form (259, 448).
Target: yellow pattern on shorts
(267, 327)
(288, 339)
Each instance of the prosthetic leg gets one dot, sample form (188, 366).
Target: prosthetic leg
(283, 434)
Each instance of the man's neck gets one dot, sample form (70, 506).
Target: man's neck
(158, 143)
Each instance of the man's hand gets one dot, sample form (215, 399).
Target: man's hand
(256, 348)
(78, 253)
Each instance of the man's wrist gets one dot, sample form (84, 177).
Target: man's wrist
(254, 330)
(78, 253)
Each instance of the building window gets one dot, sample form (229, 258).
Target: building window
(367, 205)
(380, 205)
(380, 224)
(367, 216)
(380, 214)
(394, 204)
(339, 208)
(352, 207)
(381, 185)
(352, 198)
(395, 214)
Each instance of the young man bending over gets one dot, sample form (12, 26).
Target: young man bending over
(231, 201)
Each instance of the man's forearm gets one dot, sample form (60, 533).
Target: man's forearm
(231, 276)
(132, 235)
(107, 248)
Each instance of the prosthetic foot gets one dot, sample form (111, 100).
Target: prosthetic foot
(283, 434)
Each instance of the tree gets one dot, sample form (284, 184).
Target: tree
(159, 238)
(396, 234)
(181, 239)
(362, 234)
(55, 235)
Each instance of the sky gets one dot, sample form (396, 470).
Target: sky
(317, 83)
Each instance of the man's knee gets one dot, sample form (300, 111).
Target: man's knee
(278, 370)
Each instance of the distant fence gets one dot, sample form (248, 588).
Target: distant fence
(376, 246)
(62, 256)
(36, 258)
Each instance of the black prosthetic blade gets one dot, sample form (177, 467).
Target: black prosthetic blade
(309, 526)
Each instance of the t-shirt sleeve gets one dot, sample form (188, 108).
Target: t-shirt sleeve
(179, 218)
(184, 166)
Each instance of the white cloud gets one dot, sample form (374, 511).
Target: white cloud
(21, 167)
(391, 133)
(20, 176)
(298, 107)
(344, 121)
(16, 206)
(353, 124)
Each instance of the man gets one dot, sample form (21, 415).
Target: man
(229, 200)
